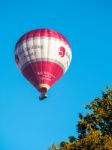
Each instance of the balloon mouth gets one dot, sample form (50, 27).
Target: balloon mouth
(43, 88)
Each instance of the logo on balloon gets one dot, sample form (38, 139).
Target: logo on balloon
(62, 51)
(17, 59)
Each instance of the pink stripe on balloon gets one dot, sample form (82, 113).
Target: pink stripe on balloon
(43, 33)
(49, 73)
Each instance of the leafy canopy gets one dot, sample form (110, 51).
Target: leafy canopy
(95, 128)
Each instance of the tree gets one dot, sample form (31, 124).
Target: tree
(95, 128)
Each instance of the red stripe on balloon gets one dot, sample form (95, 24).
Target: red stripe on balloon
(43, 72)
(43, 33)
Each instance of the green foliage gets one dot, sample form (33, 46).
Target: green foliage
(100, 118)
(95, 128)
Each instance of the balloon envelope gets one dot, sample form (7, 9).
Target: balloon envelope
(43, 56)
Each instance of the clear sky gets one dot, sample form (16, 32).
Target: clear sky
(25, 122)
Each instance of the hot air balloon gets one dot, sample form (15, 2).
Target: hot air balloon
(43, 56)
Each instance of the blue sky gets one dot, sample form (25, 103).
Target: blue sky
(25, 122)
